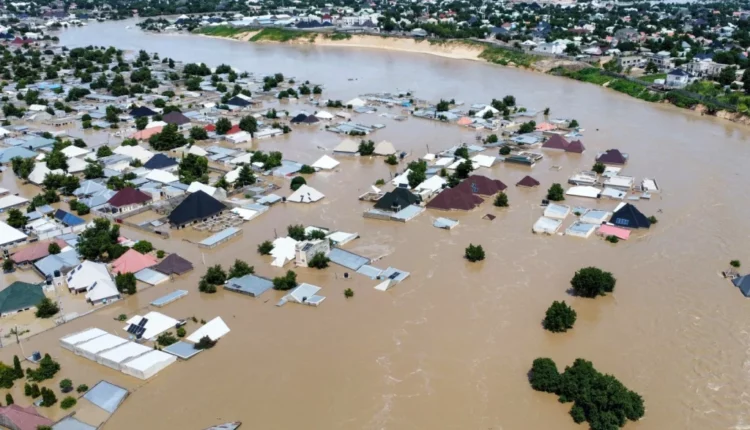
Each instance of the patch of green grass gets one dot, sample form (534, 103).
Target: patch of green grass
(502, 56)
(221, 31)
(595, 76)
(282, 35)
(652, 78)
(338, 36)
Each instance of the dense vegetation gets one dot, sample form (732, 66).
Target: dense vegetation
(559, 317)
(592, 282)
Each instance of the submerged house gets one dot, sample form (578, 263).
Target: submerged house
(743, 283)
(128, 199)
(198, 206)
(455, 199)
(612, 156)
(18, 297)
(481, 185)
(396, 200)
(629, 216)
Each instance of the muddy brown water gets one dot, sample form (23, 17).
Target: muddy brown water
(449, 348)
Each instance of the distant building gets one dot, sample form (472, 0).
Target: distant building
(629, 61)
(678, 78)
(18, 297)
(704, 68)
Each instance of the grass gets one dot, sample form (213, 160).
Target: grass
(338, 36)
(282, 35)
(504, 57)
(221, 31)
(652, 78)
(593, 75)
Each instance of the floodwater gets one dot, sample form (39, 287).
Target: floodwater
(450, 347)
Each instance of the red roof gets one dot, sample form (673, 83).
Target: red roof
(132, 261)
(128, 196)
(24, 418)
(455, 199)
(210, 127)
(235, 129)
(481, 185)
(527, 181)
(556, 142)
(36, 251)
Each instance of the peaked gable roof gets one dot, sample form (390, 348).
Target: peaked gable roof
(453, 198)
(481, 185)
(196, 206)
(612, 156)
(20, 295)
(175, 118)
(397, 199)
(173, 264)
(128, 196)
(576, 146)
(556, 142)
(743, 283)
(629, 216)
(237, 101)
(527, 181)
(24, 418)
(160, 161)
(141, 111)
(132, 261)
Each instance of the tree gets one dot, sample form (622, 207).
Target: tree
(100, 242)
(198, 133)
(53, 248)
(16, 218)
(348, 293)
(366, 147)
(443, 106)
(46, 308)
(240, 269)
(68, 402)
(7, 265)
(527, 127)
(296, 232)
(223, 125)
(559, 317)
(141, 123)
(35, 391)
(651, 68)
(316, 234)
(501, 200)
(215, 275)
(57, 160)
(169, 138)
(464, 169)
(9, 399)
(17, 369)
(143, 246)
(22, 167)
(462, 152)
(727, 76)
(297, 182)
(66, 385)
(286, 282)
(505, 150)
(556, 193)
(93, 171)
(166, 339)
(474, 253)
(245, 177)
(103, 151)
(735, 264)
(27, 390)
(573, 124)
(249, 124)
(318, 261)
(599, 167)
(82, 388)
(544, 375)
(592, 282)
(181, 332)
(46, 370)
(307, 170)
(205, 343)
(572, 49)
(193, 168)
(48, 397)
(126, 283)
(746, 81)
(205, 287)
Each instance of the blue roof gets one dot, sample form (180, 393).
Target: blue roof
(183, 350)
(16, 151)
(169, 298)
(89, 187)
(394, 274)
(218, 237)
(249, 284)
(37, 142)
(68, 218)
(347, 259)
(160, 161)
(107, 396)
(743, 283)
(71, 423)
(62, 261)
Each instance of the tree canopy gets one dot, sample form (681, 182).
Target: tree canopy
(193, 168)
(474, 253)
(169, 138)
(559, 317)
(100, 241)
(592, 282)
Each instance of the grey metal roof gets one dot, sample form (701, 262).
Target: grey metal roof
(71, 423)
(394, 274)
(249, 284)
(62, 261)
(106, 395)
(89, 187)
(347, 259)
(371, 272)
(183, 350)
(151, 277)
(169, 298)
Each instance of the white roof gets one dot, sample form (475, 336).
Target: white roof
(546, 225)
(649, 185)
(584, 191)
(74, 151)
(325, 162)
(613, 193)
(244, 158)
(384, 147)
(324, 115)
(283, 251)
(76, 165)
(443, 161)
(102, 289)
(125, 352)
(136, 152)
(9, 234)
(347, 145)
(146, 361)
(156, 324)
(432, 184)
(40, 171)
(197, 150)
(154, 124)
(556, 211)
(4, 132)
(197, 186)
(429, 157)
(82, 336)
(214, 329)
(401, 180)
(240, 137)
(458, 162)
(101, 343)
(355, 102)
(619, 181)
(246, 214)
(162, 176)
(302, 292)
(233, 175)
(305, 194)
(86, 274)
(483, 160)
(11, 200)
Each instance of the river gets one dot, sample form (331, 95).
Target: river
(449, 348)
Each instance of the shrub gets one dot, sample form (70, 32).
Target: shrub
(160, 253)
(380, 182)
(556, 193)
(181, 332)
(348, 293)
(143, 246)
(612, 239)
(474, 253)
(9, 399)
(505, 150)
(68, 402)
(286, 282)
(653, 219)
(205, 343)
(215, 275)
(735, 264)
(296, 231)
(318, 261)
(391, 159)
(501, 200)
(306, 170)
(82, 388)
(122, 317)
(66, 385)
(297, 182)
(205, 287)
(599, 168)
(46, 308)
(166, 339)
(592, 282)
(8, 265)
(559, 318)
(265, 248)
(240, 269)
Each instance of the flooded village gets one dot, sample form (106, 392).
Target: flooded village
(399, 177)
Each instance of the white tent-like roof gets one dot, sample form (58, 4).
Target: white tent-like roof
(76, 165)
(197, 186)
(244, 158)
(69, 342)
(214, 329)
(197, 150)
(283, 251)
(136, 152)
(41, 170)
(102, 289)
(74, 151)
(233, 175)
(584, 191)
(326, 163)
(305, 194)
(148, 364)
(401, 180)
(156, 324)
(384, 147)
(355, 102)
(162, 176)
(116, 356)
(98, 345)
(347, 146)
(324, 115)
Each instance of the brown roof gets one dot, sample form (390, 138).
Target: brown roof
(128, 196)
(576, 146)
(527, 181)
(36, 251)
(612, 156)
(482, 185)
(556, 142)
(23, 418)
(455, 199)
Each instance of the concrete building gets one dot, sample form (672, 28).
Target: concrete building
(306, 250)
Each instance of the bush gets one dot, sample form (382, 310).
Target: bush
(66, 385)
(601, 400)
(592, 282)
(240, 269)
(8, 265)
(559, 318)
(297, 182)
(166, 339)
(296, 231)
(348, 293)
(122, 317)
(612, 239)
(318, 261)
(126, 283)
(735, 264)
(474, 253)
(48, 397)
(501, 200)
(205, 287)
(205, 343)
(9, 399)
(505, 150)
(380, 182)
(143, 246)
(46, 308)
(286, 282)
(68, 402)
(82, 388)
(599, 168)
(265, 248)
(556, 193)
(652, 219)
(215, 275)
(391, 159)
(306, 170)
(181, 332)
(53, 248)
(160, 253)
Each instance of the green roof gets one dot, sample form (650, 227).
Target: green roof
(20, 295)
